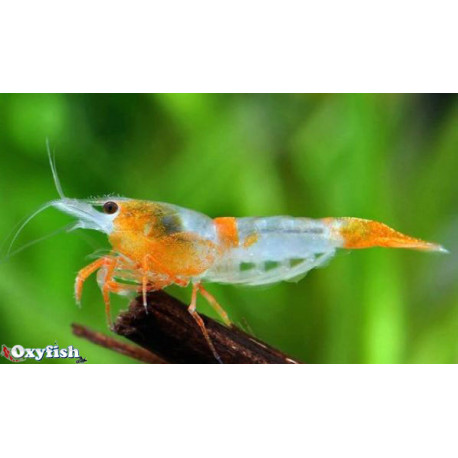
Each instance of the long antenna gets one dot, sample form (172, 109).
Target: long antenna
(66, 228)
(52, 163)
(35, 213)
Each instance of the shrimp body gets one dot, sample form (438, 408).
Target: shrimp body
(169, 244)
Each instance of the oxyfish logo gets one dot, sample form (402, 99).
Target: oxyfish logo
(19, 354)
(6, 353)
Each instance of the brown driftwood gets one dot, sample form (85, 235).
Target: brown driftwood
(167, 329)
(116, 345)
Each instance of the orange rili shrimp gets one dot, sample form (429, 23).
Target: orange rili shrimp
(157, 244)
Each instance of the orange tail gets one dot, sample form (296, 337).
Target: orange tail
(363, 233)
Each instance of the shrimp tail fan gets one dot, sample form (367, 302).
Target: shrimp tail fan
(363, 233)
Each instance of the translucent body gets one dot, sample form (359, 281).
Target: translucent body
(273, 249)
(161, 244)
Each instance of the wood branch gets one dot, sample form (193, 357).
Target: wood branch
(167, 329)
(116, 345)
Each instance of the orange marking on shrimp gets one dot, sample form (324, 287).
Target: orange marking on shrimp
(156, 266)
(226, 227)
(250, 240)
(362, 233)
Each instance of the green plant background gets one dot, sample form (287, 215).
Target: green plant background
(393, 158)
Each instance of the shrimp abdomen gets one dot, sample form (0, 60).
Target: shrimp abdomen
(273, 249)
(267, 250)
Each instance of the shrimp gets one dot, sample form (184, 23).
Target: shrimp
(156, 244)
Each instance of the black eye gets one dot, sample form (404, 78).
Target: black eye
(110, 207)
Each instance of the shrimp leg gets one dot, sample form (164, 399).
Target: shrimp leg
(107, 287)
(200, 322)
(85, 273)
(145, 282)
(216, 306)
(106, 267)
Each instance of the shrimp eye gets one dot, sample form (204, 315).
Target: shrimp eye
(110, 207)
